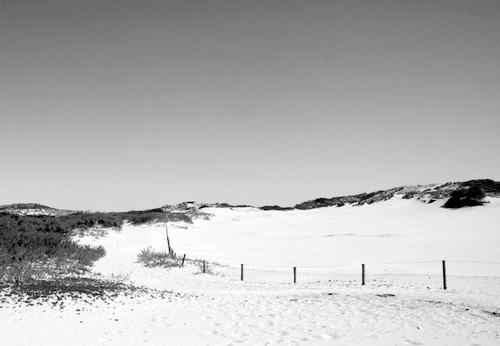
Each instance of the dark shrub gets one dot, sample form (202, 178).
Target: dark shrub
(470, 197)
(29, 240)
(142, 217)
(275, 207)
(88, 220)
(475, 192)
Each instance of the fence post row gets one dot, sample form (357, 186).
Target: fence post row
(363, 271)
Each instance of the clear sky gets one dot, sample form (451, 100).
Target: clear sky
(117, 105)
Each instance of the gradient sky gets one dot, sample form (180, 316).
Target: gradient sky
(117, 105)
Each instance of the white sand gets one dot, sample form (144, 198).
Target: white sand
(393, 231)
(327, 306)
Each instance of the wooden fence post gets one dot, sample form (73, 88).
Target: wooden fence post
(444, 275)
(362, 274)
(294, 275)
(183, 258)
(204, 267)
(168, 238)
(242, 272)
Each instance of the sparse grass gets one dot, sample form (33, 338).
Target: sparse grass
(162, 259)
(151, 258)
(199, 264)
(85, 255)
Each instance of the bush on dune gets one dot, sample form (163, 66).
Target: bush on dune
(471, 197)
(88, 220)
(139, 217)
(85, 221)
(28, 243)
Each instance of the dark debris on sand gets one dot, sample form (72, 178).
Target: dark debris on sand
(57, 292)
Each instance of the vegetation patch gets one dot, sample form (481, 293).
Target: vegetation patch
(151, 258)
(139, 217)
(466, 197)
(37, 246)
(89, 220)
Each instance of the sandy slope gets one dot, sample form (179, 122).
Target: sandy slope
(393, 231)
(327, 305)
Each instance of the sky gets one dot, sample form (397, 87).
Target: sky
(119, 104)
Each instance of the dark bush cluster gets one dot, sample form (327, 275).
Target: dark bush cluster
(88, 220)
(139, 217)
(468, 197)
(116, 219)
(26, 241)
